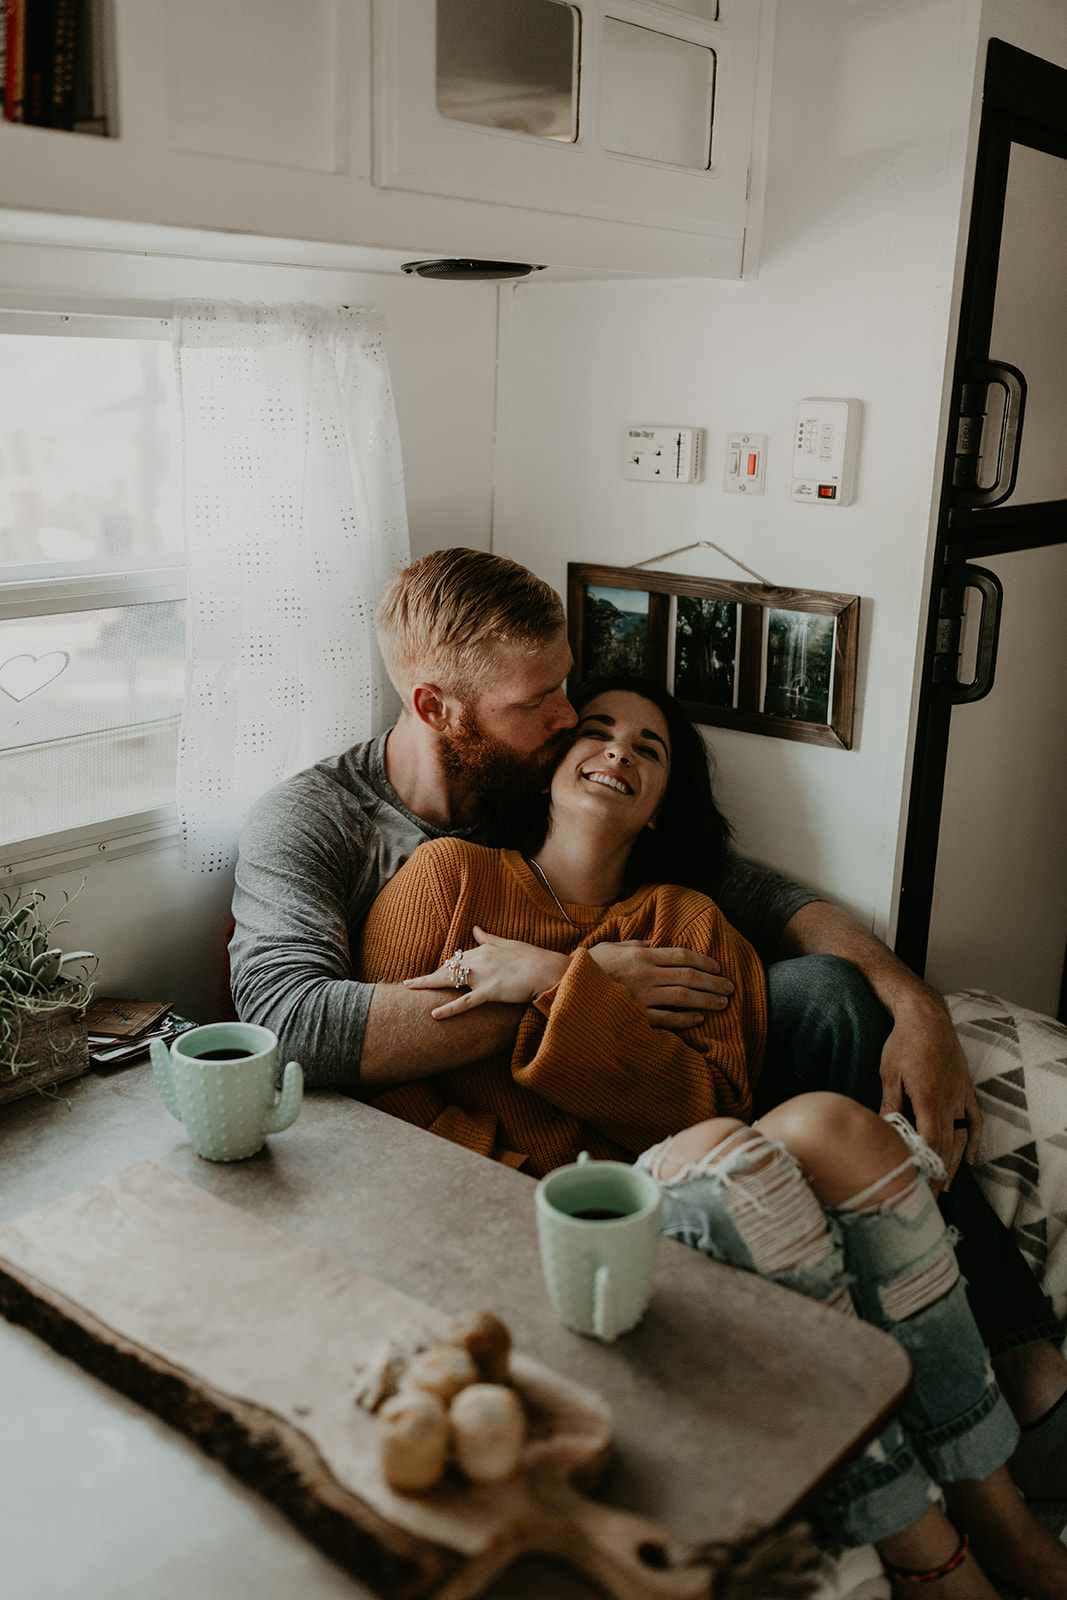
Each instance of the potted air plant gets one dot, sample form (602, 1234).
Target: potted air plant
(43, 1035)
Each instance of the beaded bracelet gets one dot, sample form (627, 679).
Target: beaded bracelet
(906, 1575)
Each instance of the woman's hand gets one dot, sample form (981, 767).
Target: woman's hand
(497, 969)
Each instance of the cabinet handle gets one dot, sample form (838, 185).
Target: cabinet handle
(947, 688)
(970, 412)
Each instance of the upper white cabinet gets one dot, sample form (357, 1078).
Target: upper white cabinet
(614, 136)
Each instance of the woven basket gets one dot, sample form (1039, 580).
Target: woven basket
(57, 1044)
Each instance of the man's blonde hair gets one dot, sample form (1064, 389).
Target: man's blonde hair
(440, 618)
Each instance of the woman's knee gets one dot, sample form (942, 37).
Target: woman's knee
(693, 1144)
(814, 1121)
(841, 1146)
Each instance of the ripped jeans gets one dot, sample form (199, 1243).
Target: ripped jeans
(747, 1203)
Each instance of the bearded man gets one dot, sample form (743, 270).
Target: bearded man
(476, 647)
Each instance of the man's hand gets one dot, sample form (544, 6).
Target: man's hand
(674, 987)
(923, 1060)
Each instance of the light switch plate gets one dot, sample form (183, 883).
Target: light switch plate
(746, 463)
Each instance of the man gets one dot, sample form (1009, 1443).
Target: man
(476, 647)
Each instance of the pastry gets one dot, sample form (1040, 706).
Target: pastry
(413, 1440)
(488, 1427)
(486, 1339)
(442, 1371)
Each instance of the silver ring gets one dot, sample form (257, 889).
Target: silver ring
(460, 974)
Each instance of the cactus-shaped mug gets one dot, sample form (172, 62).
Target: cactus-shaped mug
(598, 1230)
(219, 1081)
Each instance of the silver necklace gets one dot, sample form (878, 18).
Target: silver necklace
(552, 892)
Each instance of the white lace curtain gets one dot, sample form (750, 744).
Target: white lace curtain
(295, 521)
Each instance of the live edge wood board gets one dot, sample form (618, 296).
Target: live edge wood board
(257, 1346)
(735, 655)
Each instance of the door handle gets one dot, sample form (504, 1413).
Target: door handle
(947, 688)
(974, 394)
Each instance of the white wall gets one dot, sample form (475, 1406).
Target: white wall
(158, 930)
(868, 155)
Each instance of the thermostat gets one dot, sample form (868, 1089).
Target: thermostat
(662, 454)
(824, 451)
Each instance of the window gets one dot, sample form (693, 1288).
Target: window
(92, 586)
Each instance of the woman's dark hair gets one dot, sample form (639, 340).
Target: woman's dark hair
(690, 842)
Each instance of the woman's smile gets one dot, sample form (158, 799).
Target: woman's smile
(610, 781)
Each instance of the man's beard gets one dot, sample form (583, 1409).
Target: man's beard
(473, 757)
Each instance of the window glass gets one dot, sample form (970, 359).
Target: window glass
(92, 626)
(89, 459)
(90, 703)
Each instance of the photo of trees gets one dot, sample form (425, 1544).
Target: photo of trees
(705, 650)
(615, 635)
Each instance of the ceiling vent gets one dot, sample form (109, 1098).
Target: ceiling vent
(469, 269)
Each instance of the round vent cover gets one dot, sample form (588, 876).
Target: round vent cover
(469, 269)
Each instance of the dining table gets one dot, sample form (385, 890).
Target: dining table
(731, 1403)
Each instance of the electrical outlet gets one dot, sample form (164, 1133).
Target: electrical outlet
(662, 454)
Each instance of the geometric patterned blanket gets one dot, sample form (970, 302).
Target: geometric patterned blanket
(1018, 1064)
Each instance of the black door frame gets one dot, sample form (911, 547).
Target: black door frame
(1025, 102)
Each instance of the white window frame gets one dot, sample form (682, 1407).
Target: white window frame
(50, 588)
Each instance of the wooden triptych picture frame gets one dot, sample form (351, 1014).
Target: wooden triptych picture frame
(735, 655)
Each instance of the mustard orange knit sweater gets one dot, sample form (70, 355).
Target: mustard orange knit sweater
(587, 1072)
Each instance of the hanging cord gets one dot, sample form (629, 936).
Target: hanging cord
(704, 544)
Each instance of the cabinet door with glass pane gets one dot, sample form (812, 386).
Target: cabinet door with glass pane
(621, 110)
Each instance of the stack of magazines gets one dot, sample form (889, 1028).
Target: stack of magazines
(120, 1031)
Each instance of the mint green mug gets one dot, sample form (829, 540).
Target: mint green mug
(598, 1226)
(219, 1081)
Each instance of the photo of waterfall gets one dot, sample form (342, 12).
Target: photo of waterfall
(800, 665)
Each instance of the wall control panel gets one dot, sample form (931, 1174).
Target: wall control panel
(658, 454)
(746, 463)
(825, 446)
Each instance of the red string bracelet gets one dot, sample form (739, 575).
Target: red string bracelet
(906, 1575)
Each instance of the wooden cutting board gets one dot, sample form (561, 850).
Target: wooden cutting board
(264, 1351)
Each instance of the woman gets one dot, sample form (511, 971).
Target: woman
(823, 1195)
(587, 1072)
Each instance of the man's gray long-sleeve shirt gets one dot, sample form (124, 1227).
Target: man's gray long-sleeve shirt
(315, 851)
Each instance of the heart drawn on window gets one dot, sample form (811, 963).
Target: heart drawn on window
(21, 676)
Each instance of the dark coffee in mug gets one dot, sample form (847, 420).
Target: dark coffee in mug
(597, 1215)
(224, 1055)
